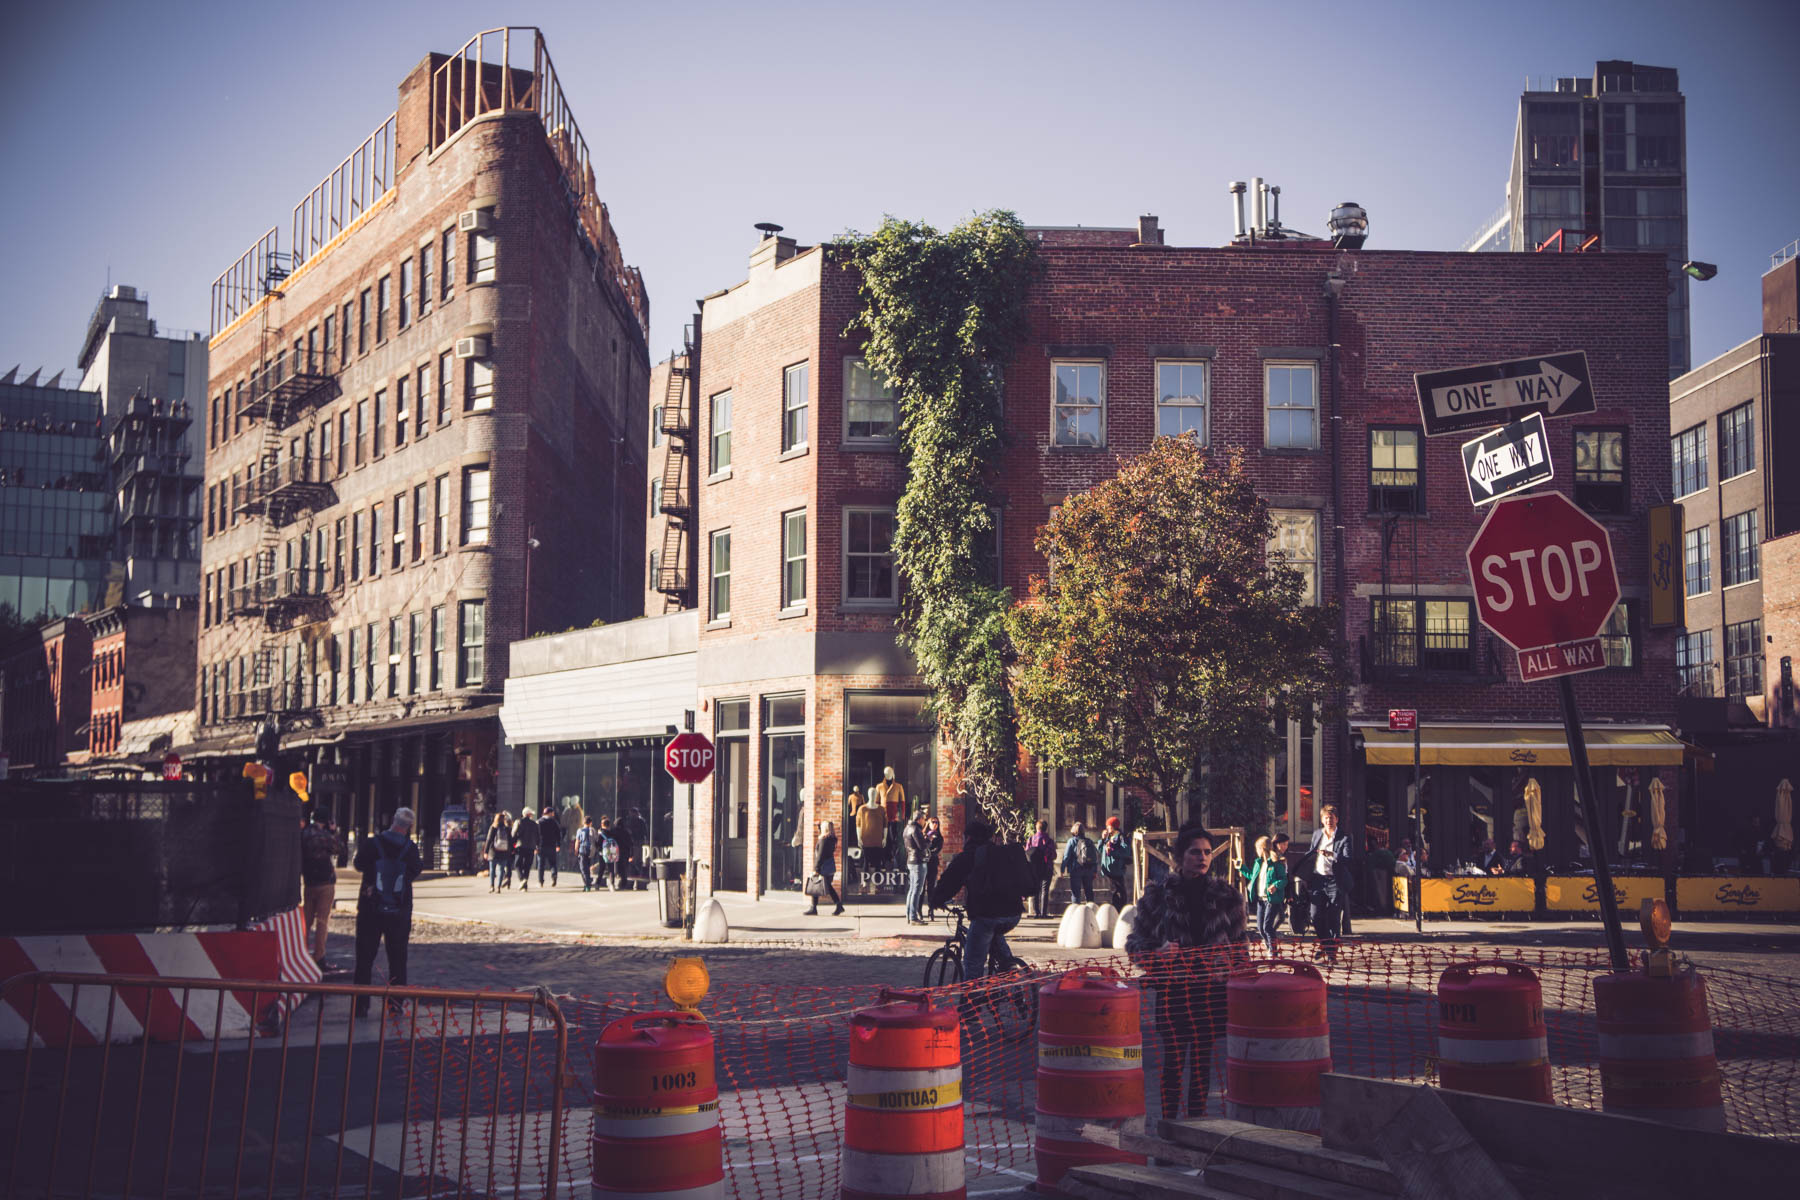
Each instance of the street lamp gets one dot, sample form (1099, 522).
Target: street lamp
(531, 543)
(1700, 270)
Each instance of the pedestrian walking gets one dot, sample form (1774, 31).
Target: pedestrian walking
(525, 846)
(389, 863)
(587, 852)
(637, 835)
(1080, 861)
(1188, 937)
(996, 879)
(500, 852)
(319, 850)
(1328, 876)
(934, 848)
(550, 840)
(1115, 861)
(1266, 875)
(1040, 852)
(627, 839)
(825, 865)
(913, 839)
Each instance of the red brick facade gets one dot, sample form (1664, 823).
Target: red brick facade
(1781, 629)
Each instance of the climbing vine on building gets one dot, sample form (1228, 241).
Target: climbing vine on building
(943, 312)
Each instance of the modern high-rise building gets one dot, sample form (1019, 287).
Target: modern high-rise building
(1602, 157)
(56, 519)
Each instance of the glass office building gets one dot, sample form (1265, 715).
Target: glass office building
(56, 518)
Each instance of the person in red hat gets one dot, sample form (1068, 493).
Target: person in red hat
(1115, 861)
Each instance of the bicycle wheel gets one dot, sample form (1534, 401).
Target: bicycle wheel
(944, 967)
(1019, 1017)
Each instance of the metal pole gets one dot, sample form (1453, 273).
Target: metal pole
(1590, 807)
(1418, 874)
(693, 870)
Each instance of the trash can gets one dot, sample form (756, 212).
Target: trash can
(668, 875)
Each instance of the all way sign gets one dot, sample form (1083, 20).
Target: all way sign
(1507, 460)
(1465, 398)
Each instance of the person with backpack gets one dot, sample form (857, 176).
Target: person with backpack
(550, 840)
(587, 852)
(500, 852)
(319, 850)
(389, 862)
(525, 846)
(996, 879)
(1267, 877)
(1079, 862)
(611, 854)
(628, 853)
(1115, 861)
(1040, 852)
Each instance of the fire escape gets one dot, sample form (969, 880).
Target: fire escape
(675, 568)
(287, 487)
(154, 479)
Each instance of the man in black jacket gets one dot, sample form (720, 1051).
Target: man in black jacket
(1328, 879)
(550, 839)
(998, 878)
(525, 845)
(389, 863)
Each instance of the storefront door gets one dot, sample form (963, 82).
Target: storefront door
(783, 791)
(731, 798)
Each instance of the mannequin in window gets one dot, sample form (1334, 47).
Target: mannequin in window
(871, 823)
(890, 795)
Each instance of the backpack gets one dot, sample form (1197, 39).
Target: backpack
(1084, 852)
(502, 840)
(316, 849)
(1112, 856)
(390, 878)
(609, 851)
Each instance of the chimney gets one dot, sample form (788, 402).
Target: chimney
(1237, 205)
(1258, 201)
(1781, 291)
(772, 249)
(1148, 233)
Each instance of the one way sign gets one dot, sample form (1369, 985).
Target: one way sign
(1480, 396)
(1507, 460)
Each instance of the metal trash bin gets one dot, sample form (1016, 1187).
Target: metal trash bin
(669, 875)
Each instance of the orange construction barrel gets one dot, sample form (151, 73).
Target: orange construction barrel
(903, 1112)
(1491, 1034)
(656, 1110)
(1656, 1049)
(1090, 1069)
(1277, 1044)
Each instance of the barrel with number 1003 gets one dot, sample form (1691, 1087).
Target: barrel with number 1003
(656, 1110)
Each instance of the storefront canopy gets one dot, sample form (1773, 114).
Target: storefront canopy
(1520, 745)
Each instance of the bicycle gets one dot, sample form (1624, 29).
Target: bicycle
(986, 1004)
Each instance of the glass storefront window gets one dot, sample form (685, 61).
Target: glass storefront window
(784, 792)
(616, 780)
(885, 730)
(731, 797)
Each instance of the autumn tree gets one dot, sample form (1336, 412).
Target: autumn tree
(1164, 635)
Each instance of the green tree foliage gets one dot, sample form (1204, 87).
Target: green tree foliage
(1162, 633)
(944, 312)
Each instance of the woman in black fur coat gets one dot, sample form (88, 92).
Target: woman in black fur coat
(1188, 936)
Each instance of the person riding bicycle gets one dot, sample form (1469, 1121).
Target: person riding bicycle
(997, 878)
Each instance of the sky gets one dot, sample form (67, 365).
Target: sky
(152, 143)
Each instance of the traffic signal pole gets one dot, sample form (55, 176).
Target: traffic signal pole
(1597, 833)
(1418, 871)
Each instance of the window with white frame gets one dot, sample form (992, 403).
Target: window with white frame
(1744, 659)
(721, 433)
(1291, 392)
(478, 385)
(484, 255)
(1694, 662)
(793, 558)
(719, 592)
(1182, 390)
(1687, 453)
(1295, 544)
(871, 411)
(471, 659)
(869, 574)
(1740, 550)
(1737, 446)
(1078, 404)
(1697, 559)
(794, 403)
(475, 504)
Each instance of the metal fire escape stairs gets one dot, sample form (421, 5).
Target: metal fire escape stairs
(674, 576)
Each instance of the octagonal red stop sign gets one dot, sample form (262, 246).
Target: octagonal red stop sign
(689, 757)
(1543, 571)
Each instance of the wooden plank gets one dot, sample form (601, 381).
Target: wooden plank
(1272, 1183)
(1285, 1148)
(1433, 1155)
(1605, 1155)
(1115, 1180)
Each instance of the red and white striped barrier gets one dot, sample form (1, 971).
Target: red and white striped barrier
(272, 951)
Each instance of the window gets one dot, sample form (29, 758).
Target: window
(327, 332)
(393, 658)
(721, 432)
(355, 662)
(1600, 470)
(656, 433)
(1737, 452)
(449, 243)
(652, 576)
(471, 659)
(1396, 470)
(1739, 548)
(1744, 659)
(362, 430)
(406, 292)
(375, 539)
(1697, 559)
(1435, 635)
(475, 506)
(1687, 451)
(1693, 663)
(793, 558)
(1078, 404)
(1182, 390)
(482, 252)
(443, 400)
(440, 523)
(437, 648)
(719, 594)
(1615, 637)
(794, 387)
(656, 494)
(421, 397)
(871, 412)
(427, 285)
(415, 659)
(1292, 394)
(987, 551)
(356, 534)
(344, 343)
(343, 441)
(379, 429)
(402, 412)
(420, 508)
(869, 574)
(1295, 544)
(383, 301)
(397, 535)
(478, 386)
(337, 555)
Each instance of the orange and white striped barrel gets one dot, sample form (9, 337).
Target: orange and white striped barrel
(1090, 1069)
(1491, 1033)
(1277, 1044)
(656, 1110)
(1656, 1050)
(903, 1115)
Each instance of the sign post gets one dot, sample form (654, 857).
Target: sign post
(1545, 583)
(1400, 720)
(689, 758)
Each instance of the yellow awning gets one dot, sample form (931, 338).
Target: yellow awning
(1515, 745)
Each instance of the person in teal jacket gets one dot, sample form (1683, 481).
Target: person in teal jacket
(1267, 876)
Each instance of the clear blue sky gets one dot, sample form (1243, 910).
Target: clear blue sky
(157, 141)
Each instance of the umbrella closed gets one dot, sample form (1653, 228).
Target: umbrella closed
(1659, 835)
(1783, 837)
(1534, 812)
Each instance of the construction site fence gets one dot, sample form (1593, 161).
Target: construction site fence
(489, 1093)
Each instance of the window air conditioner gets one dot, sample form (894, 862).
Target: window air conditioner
(471, 347)
(475, 220)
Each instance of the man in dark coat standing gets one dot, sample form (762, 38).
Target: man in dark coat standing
(550, 840)
(389, 862)
(525, 847)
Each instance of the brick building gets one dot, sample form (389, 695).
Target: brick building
(142, 694)
(1299, 353)
(45, 696)
(424, 440)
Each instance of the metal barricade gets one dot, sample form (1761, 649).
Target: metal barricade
(158, 1086)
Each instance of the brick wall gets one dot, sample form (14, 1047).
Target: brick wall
(1781, 624)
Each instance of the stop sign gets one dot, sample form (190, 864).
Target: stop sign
(1543, 571)
(689, 757)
